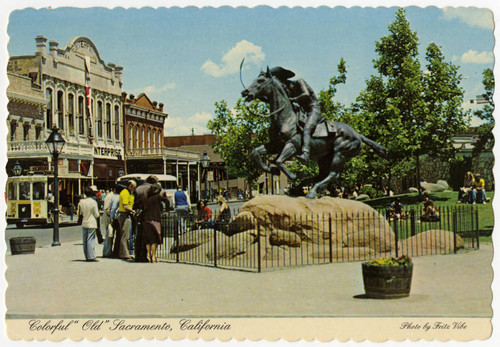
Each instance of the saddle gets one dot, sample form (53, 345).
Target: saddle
(323, 129)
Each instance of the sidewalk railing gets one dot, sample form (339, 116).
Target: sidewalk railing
(273, 242)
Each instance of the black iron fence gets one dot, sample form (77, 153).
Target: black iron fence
(256, 244)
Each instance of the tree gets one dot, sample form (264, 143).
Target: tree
(485, 131)
(238, 132)
(408, 111)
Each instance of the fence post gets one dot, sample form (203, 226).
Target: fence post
(412, 222)
(330, 238)
(396, 232)
(215, 246)
(258, 248)
(454, 228)
(176, 236)
(477, 227)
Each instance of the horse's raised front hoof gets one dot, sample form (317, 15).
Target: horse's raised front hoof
(311, 195)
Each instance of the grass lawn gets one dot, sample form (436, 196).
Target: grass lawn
(442, 200)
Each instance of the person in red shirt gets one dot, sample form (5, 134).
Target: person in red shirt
(204, 214)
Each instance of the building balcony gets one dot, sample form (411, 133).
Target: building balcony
(37, 148)
(161, 153)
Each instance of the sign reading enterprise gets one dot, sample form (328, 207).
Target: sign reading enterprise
(107, 152)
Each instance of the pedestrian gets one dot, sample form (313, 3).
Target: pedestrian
(478, 187)
(107, 223)
(151, 220)
(142, 252)
(125, 211)
(182, 206)
(98, 232)
(113, 215)
(87, 209)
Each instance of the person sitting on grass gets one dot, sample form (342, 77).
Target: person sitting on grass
(431, 212)
(397, 210)
(465, 192)
(478, 187)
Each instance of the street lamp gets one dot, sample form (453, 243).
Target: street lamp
(55, 143)
(205, 162)
(17, 169)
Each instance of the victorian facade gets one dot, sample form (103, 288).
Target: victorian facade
(83, 98)
(144, 147)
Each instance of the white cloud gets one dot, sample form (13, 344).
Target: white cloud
(176, 126)
(230, 62)
(154, 89)
(476, 57)
(477, 17)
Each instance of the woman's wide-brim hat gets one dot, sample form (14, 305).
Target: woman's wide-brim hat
(281, 73)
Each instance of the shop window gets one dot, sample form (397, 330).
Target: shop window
(39, 191)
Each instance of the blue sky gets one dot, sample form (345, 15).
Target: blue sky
(188, 58)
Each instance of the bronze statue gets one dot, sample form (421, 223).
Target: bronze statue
(330, 143)
(300, 92)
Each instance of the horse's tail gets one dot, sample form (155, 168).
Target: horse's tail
(375, 146)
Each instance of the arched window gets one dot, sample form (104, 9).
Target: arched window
(136, 139)
(117, 123)
(49, 113)
(71, 114)
(60, 109)
(130, 135)
(107, 121)
(142, 137)
(81, 115)
(153, 138)
(99, 119)
(148, 136)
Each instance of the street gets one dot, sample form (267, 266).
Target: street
(72, 232)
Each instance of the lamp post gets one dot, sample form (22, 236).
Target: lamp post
(17, 170)
(55, 143)
(205, 162)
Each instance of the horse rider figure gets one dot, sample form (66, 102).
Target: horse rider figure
(301, 93)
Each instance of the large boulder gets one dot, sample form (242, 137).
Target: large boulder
(434, 241)
(350, 222)
(439, 186)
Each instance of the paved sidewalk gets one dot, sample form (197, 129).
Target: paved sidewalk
(56, 282)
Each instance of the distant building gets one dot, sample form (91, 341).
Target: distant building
(216, 176)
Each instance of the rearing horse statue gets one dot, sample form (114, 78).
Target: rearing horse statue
(332, 143)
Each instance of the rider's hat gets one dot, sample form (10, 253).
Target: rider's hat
(281, 73)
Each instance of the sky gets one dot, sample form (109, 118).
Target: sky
(189, 58)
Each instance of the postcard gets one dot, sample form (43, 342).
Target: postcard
(260, 171)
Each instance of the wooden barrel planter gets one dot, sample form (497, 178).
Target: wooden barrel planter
(22, 245)
(387, 281)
